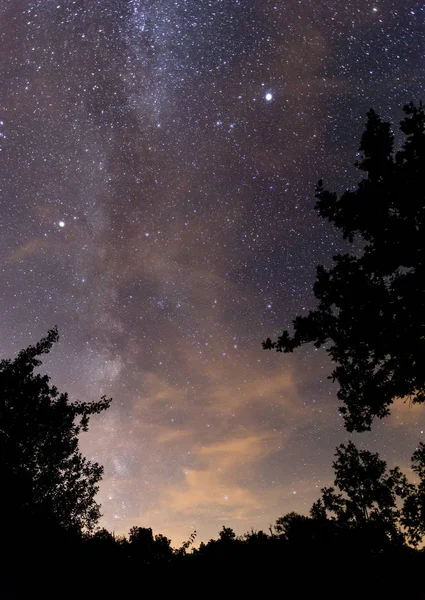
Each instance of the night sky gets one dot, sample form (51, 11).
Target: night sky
(157, 171)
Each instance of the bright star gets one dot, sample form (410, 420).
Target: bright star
(269, 96)
(61, 223)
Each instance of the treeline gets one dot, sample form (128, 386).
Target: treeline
(361, 539)
(300, 556)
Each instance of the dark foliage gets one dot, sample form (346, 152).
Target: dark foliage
(413, 516)
(147, 549)
(47, 485)
(367, 497)
(370, 315)
(305, 557)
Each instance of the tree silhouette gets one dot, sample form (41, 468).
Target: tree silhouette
(146, 548)
(46, 482)
(293, 527)
(413, 515)
(368, 495)
(227, 534)
(182, 551)
(371, 303)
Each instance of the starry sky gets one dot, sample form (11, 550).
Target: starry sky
(157, 171)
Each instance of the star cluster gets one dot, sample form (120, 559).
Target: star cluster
(158, 164)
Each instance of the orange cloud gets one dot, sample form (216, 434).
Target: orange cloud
(220, 478)
(278, 387)
(404, 412)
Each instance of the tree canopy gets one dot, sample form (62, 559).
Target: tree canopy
(46, 482)
(369, 504)
(366, 493)
(370, 315)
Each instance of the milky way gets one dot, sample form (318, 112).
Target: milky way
(158, 164)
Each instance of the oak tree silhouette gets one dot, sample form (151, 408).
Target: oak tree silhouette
(370, 315)
(47, 485)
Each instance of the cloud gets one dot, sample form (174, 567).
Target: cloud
(404, 412)
(168, 436)
(278, 387)
(159, 392)
(221, 481)
(27, 249)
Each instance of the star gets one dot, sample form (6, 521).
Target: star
(268, 97)
(61, 223)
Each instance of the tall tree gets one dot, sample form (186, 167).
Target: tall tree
(366, 494)
(370, 315)
(46, 482)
